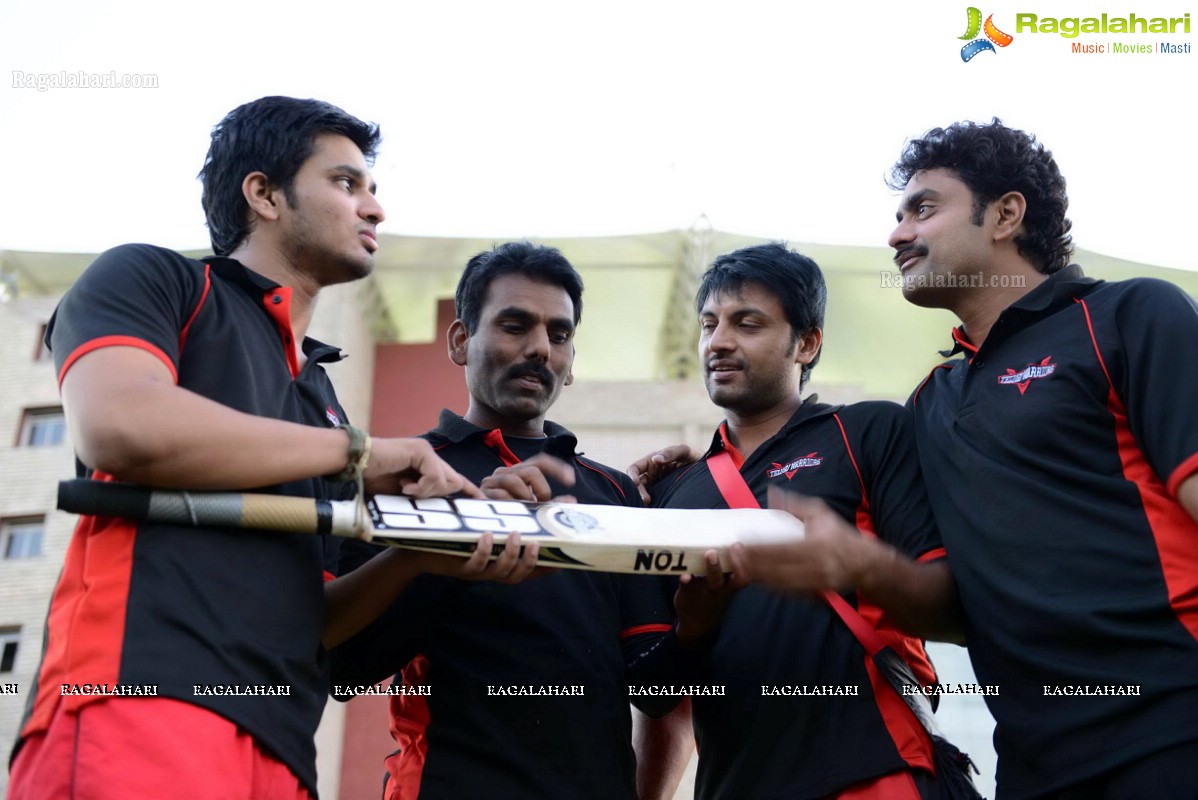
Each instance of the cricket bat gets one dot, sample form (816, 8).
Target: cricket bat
(570, 535)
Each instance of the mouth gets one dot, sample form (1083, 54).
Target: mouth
(531, 381)
(369, 240)
(723, 371)
(905, 259)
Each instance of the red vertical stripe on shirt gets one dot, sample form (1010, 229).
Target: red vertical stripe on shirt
(1173, 530)
(199, 305)
(909, 648)
(85, 628)
(409, 727)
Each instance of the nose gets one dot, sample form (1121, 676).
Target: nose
(536, 344)
(371, 210)
(902, 234)
(719, 340)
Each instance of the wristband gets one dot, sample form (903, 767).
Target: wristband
(359, 455)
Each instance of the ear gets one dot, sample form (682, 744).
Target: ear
(459, 340)
(1009, 209)
(263, 197)
(808, 346)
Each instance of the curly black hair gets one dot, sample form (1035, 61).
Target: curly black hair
(992, 159)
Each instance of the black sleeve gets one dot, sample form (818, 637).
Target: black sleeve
(653, 655)
(133, 295)
(1154, 369)
(882, 437)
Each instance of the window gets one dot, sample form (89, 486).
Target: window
(22, 538)
(43, 427)
(10, 638)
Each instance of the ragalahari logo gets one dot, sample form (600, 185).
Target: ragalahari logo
(993, 36)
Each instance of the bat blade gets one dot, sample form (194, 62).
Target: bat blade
(576, 536)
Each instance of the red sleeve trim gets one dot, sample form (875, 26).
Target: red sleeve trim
(1097, 349)
(932, 555)
(116, 341)
(1187, 468)
(613, 481)
(918, 389)
(637, 630)
(849, 448)
(328, 576)
(199, 305)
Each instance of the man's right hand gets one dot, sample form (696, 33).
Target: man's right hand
(411, 467)
(652, 468)
(528, 481)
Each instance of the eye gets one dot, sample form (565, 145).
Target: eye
(707, 326)
(559, 337)
(346, 182)
(922, 210)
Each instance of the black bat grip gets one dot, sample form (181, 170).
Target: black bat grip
(83, 496)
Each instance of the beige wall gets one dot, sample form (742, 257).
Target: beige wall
(28, 479)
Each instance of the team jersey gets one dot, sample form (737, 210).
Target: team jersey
(805, 713)
(229, 620)
(1053, 454)
(525, 686)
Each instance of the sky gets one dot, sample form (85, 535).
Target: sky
(515, 118)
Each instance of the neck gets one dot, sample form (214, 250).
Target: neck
(980, 308)
(271, 263)
(486, 418)
(748, 431)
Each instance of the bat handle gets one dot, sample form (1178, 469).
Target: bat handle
(102, 497)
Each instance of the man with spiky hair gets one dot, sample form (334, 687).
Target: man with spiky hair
(178, 372)
(807, 713)
(1061, 457)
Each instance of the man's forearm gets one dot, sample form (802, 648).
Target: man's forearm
(354, 600)
(127, 418)
(920, 599)
(664, 748)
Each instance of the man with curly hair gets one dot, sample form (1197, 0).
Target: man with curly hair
(1062, 470)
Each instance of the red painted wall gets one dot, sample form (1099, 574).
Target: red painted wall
(413, 382)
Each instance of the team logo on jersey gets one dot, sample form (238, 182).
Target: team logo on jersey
(332, 416)
(789, 470)
(1025, 376)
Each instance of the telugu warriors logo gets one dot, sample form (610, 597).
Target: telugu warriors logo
(975, 44)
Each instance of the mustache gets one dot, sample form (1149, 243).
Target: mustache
(531, 370)
(918, 250)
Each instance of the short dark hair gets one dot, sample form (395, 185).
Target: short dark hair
(992, 159)
(793, 278)
(273, 135)
(535, 261)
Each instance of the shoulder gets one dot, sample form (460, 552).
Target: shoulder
(142, 262)
(1145, 295)
(873, 412)
(938, 373)
(606, 480)
(874, 422)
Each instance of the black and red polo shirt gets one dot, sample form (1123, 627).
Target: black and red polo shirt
(1052, 455)
(765, 739)
(465, 640)
(195, 611)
